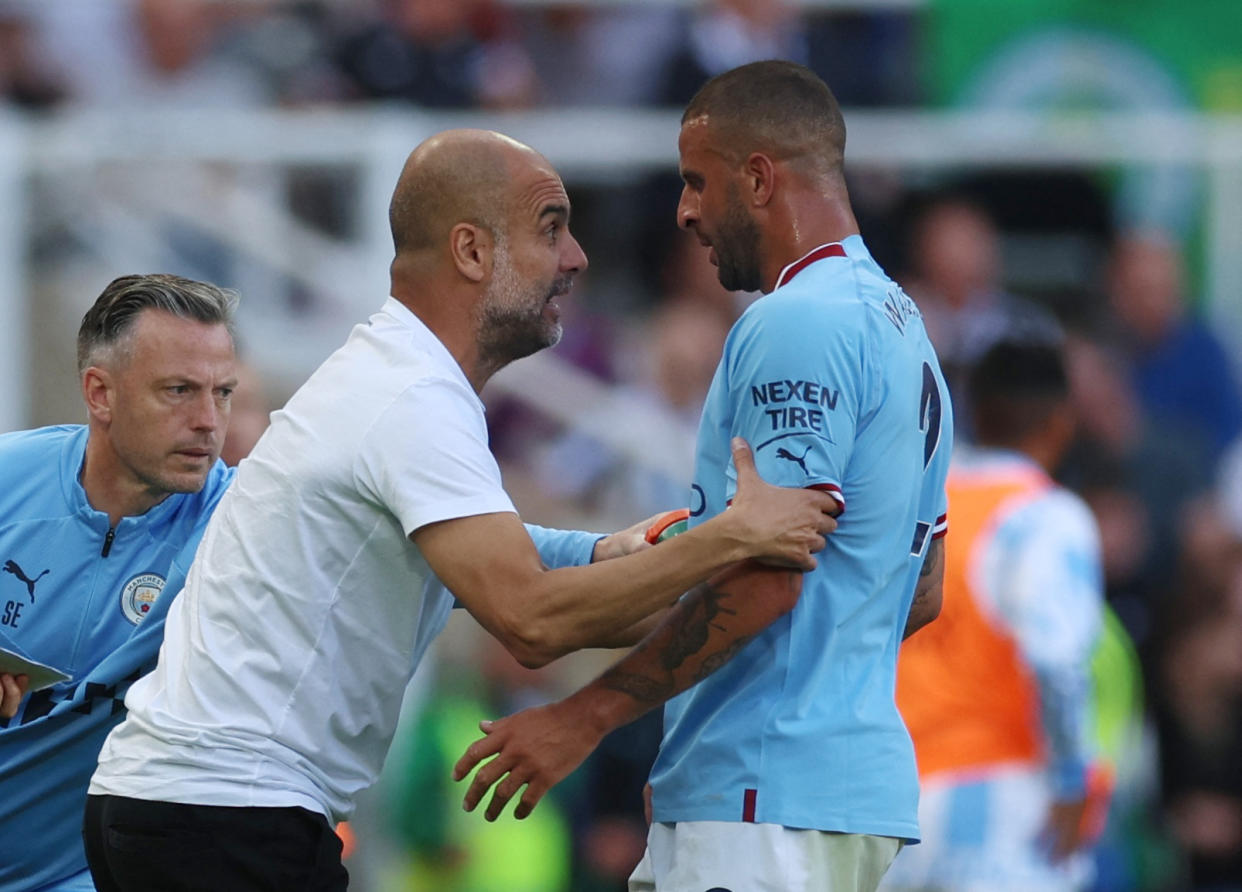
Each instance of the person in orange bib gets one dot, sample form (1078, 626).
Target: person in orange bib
(996, 693)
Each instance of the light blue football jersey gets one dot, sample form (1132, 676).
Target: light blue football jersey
(89, 602)
(832, 380)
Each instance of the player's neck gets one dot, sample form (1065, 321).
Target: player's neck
(803, 223)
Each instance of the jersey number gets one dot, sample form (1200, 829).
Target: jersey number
(929, 414)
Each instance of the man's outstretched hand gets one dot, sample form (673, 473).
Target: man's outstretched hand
(535, 748)
(627, 541)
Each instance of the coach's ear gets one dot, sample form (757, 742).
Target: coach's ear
(97, 391)
(471, 247)
(760, 173)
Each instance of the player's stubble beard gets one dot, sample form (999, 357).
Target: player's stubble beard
(737, 246)
(511, 319)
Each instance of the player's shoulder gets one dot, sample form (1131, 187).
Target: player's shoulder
(192, 510)
(39, 438)
(219, 478)
(204, 502)
(37, 468)
(852, 287)
(811, 306)
(777, 332)
(1058, 513)
(35, 449)
(1066, 509)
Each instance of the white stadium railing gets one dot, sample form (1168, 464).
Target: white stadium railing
(114, 182)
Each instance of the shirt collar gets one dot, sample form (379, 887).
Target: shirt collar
(832, 249)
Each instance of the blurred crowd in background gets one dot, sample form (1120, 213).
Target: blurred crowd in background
(436, 53)
(1068, 254)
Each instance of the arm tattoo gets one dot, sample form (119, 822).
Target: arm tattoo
(691, 635)
(640, 687)
(927, 581)
(934, 551)
(714, 661)
(683, 636)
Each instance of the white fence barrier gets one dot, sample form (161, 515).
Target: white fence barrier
(120, 186)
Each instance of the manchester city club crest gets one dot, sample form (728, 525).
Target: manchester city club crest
(139, 594)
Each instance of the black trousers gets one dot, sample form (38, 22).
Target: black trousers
(133, 845)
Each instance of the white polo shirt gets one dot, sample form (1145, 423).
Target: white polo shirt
(307, 608)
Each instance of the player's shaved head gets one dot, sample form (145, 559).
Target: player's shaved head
(778, 108)
(454, 177)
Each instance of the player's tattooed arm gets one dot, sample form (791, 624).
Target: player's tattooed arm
(632, 635)
(538, 747)
(928, 591)
(702, 633)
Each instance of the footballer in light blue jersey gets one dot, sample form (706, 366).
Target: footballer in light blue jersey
(833, 381)
(89, 599)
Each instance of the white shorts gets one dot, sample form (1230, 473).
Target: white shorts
(982, 835)
(727, 856)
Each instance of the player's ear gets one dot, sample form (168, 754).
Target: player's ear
(760, 173)
(471, 247)
(98, 392)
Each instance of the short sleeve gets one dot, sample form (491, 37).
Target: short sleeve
(795, 384)
(1045, 567)
(935, 493)
(1048, 590)
(563, 548)
(426, 458)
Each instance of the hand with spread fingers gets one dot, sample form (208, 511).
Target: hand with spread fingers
(536, 749)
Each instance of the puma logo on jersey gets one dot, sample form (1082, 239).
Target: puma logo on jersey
(800, 460)
(12, 567)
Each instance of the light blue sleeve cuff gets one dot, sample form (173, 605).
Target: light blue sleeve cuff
(563, 548)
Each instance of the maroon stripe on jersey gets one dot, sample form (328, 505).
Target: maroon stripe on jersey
(748, 805)
(833, 490)
(833, 250)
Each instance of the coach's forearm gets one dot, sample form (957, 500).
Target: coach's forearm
(553, 617)
(699, 635)
(632, 634)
